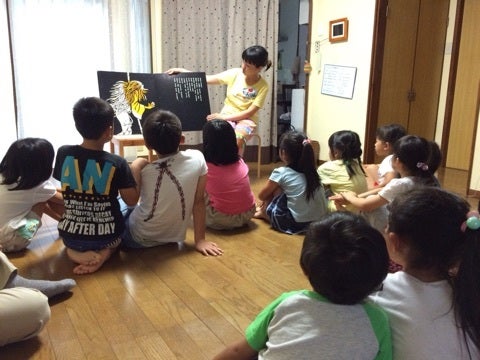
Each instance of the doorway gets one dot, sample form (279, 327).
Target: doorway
(294, 18)
(409, 45)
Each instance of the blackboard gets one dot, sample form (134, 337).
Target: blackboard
(134, 95)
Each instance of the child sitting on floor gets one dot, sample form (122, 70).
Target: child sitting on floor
(433, 303)
(380, 175)
(172, 189)
(293, 196)
(229, 199)
(91, 179)
(345, 260)
(344, 171)
(26, 192)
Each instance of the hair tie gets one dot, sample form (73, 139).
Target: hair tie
(422, 165)
(472, 222)
(306, 141)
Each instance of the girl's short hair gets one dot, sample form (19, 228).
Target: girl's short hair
(28, 162)
(162, 131)
(344, 258)
(219, 143)
(390, 133)
(256, 55)
(92, 117)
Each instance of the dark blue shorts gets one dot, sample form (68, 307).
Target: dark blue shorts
(281, 218)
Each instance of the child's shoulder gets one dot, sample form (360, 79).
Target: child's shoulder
(331, 164)
(192, 154)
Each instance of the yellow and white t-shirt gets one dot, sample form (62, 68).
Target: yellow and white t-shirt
(241, 96)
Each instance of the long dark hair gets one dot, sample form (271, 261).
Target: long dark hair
(432, 222)
(219, 143)
(301, 158)
(28, 163)
(349, 145)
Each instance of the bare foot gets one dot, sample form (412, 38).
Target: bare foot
(84, 258)
(260, 213)
(103, 254)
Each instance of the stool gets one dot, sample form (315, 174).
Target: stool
(259, 153)
(121, 141)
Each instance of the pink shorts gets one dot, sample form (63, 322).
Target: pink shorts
(243, 128)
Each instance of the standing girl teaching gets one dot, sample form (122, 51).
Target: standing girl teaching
(246, 92)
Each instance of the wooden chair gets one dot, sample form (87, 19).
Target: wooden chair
(259, 153)
(119, 142)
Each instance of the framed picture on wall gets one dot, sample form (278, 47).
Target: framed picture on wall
(338, 30)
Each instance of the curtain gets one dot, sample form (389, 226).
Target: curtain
(210, 36)
(57, 48)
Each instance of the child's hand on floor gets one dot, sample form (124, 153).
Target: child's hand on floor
(208, 248)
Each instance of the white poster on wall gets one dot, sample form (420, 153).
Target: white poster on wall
(339, 80)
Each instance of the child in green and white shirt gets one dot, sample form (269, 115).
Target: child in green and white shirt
(345, 259)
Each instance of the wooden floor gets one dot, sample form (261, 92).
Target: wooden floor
(165, 302)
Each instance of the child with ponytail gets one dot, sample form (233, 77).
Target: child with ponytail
(344, 171)
(416, 160)
(433, 304)
(293, 196)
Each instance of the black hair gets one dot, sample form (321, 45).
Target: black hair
(390, 133)
(301, 158)
(420, 156)
(432, 223)
(349, 145)
(257, 55)
(92, 117)
(344, 258)
(219, 143)
(162, 131)
(28, 163)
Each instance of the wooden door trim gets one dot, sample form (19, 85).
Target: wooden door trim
(376, 67)
(307, 58)
(472, 152)
(452, 77)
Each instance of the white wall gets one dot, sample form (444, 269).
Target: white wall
(327, 114)
(7, 109)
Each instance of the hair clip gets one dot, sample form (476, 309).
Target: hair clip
(306, 141)
(422, 165)
(472, 222)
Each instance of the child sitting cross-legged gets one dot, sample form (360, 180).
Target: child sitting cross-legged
(293, 196)
(345, 259)
(172, 190)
